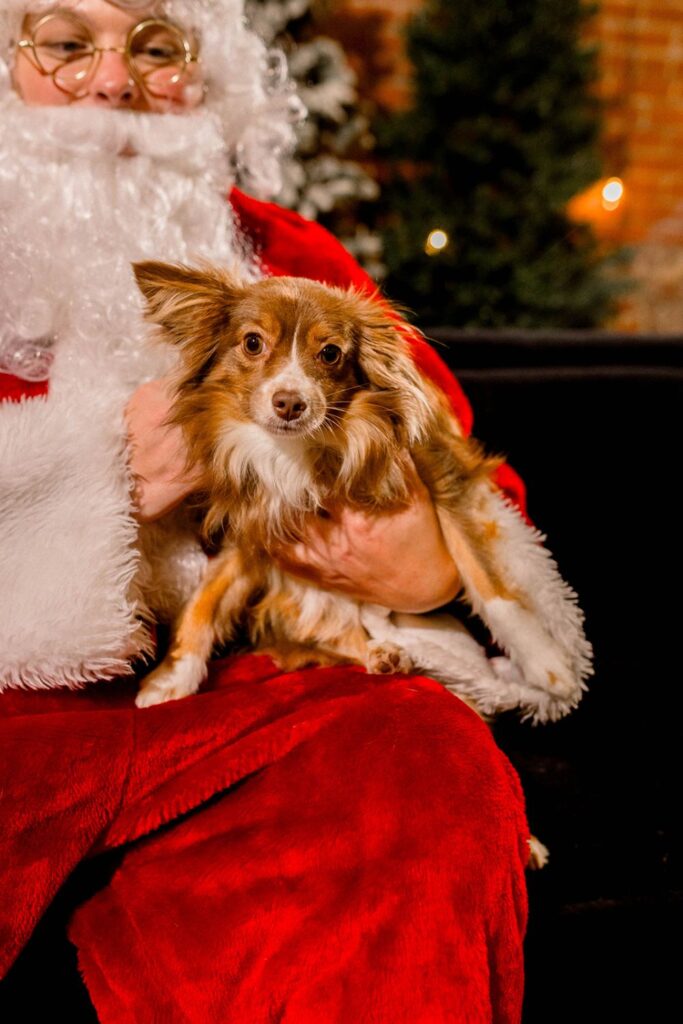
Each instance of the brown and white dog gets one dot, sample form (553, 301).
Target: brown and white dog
(294, 395)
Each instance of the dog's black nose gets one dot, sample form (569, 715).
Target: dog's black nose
(288, 405)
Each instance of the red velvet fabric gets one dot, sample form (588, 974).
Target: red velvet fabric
(336, 847)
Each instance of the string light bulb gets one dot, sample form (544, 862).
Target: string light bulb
(437, 240)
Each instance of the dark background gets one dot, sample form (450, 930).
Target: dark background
(592, 424)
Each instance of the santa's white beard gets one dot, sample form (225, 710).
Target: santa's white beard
(74, 213)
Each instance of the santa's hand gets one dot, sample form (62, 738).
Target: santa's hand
(157, 453)
(396, 559)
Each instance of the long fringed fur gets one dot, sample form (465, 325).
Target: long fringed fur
(377, 412)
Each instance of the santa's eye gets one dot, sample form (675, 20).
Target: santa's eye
(253, 344)
(330, 355)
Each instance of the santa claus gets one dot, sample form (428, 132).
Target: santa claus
(99, 168)
(125, 127)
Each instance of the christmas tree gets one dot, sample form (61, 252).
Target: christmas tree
(323, 180)
(502, 133)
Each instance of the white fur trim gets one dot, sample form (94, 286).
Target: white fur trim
(67, 607)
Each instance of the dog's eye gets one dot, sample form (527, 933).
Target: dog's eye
(330, 355)
(253, 344)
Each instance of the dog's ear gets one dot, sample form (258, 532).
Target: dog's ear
(191, 305)
(387, 365)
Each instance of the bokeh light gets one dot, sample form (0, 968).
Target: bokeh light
(612, 193)
(437, 240)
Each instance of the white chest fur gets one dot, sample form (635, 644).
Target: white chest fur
(280, 464)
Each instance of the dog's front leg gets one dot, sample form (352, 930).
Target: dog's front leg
(221, 594)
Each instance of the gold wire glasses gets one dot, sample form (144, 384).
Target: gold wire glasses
(158, 54)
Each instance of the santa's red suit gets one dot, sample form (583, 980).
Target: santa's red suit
(336, 847)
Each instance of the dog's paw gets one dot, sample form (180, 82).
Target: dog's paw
(540, 660)
(172, 680)
(538, 854)
(548, 670)
(385, 658)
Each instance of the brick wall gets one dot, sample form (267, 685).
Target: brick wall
(641, 44)
(376, 46)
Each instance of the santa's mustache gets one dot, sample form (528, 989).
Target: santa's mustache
(183, 140)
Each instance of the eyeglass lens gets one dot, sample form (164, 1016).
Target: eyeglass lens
(157, 52)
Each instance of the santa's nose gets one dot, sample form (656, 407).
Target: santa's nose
(112, 84)
(289, 405)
